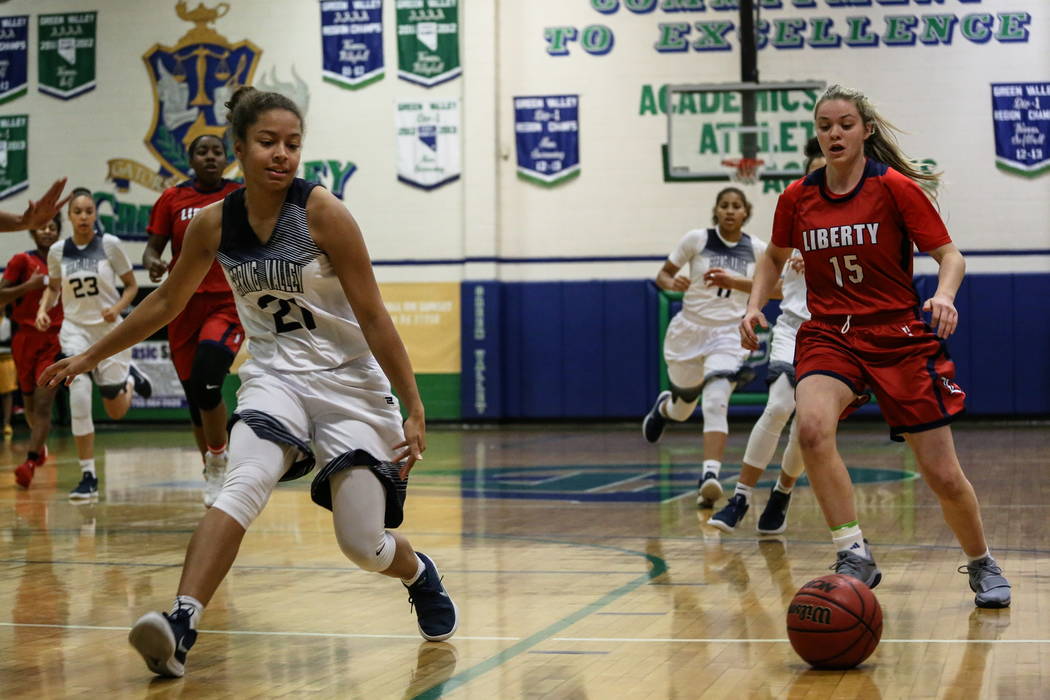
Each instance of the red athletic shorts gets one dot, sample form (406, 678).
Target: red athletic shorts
(209, 317)
(896, 355)
(33, 351)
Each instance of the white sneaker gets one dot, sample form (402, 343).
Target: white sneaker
(214, 475)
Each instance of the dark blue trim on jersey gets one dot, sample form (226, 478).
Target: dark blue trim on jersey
(872, 168)
(833, 375)
(897, 431)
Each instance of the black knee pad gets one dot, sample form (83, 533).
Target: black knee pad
(112, 391)
(210, 366)
(195, 413)
(688, 395)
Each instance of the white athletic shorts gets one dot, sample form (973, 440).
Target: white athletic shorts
(694, 352)
(334, 411)
(76, 339)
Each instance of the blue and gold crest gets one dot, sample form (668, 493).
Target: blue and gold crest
(191, 83)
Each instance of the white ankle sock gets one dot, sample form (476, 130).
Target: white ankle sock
(986, 554)
(744, 490)
(781, 488)
(712, 465)
(849, 538)
(88, 465)
(419, 572)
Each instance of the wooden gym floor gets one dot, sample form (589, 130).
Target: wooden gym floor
(580, 564)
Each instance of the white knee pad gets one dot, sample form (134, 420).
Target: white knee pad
(358, 506)
(679, 409)
(715, 405)
(254, 468)
(766, 433)
(792, 463)
(80, 406)
(368, 552)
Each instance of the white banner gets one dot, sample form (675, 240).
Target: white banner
(428, 149)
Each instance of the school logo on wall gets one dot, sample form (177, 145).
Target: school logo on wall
(1021, 117)
(428, 143)
(192, 81)
(14, 154)
(428, 41)
(14, 57)
(66, 54)
(547, 135)
(352, 42)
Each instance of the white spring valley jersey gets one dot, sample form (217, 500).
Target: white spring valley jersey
(89, 276)
(704, 249)
(293, 309)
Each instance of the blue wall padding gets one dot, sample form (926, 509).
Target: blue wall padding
(589, 349)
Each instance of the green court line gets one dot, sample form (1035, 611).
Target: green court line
(658, 568)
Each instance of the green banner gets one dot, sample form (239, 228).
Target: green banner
(66, 54)
(428, 41)
(14, 154)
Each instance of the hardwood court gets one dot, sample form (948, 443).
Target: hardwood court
(579, 562)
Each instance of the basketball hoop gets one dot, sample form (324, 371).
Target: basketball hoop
(744, 170)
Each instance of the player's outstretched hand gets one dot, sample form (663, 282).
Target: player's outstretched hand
(413, 446)
(943, 316)
(748, 336)
(39, 213)
(717, 277)
(65, 371)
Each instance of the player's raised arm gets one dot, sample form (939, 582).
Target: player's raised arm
(38, 213)
(157, 309)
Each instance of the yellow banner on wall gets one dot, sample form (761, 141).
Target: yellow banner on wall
(427, 317)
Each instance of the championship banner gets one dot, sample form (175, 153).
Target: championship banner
(14, 57)
(428, 41)
(14, 154)
(66, 54)
(428, 143)
(1021, 118)
(547, 133)
(352, 42)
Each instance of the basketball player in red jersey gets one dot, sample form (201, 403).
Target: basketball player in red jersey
(23, 284)
(206, 335)
(857, 222)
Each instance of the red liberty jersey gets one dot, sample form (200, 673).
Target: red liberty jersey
(171, 216)
(20, 268)
(858, 247)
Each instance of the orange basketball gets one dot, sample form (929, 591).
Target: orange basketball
(834, 622)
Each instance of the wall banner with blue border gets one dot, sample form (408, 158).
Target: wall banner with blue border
(14, 57)
(1021, 117)
(352, 42)
(428, 142)
(547, 132)
(14, 154)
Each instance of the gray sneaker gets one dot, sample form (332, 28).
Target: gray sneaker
(988, 582)
(861, 568)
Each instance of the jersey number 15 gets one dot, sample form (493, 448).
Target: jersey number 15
(852, 267)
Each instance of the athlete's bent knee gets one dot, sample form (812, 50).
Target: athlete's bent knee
(243, 494)
(370, 552)
(80, 406)
(714, 403)
(210, 366)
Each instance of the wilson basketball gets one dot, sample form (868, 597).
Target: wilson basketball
(834, 622)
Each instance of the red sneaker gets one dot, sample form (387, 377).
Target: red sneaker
(24, 473)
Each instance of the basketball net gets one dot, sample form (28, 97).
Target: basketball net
(744, 170)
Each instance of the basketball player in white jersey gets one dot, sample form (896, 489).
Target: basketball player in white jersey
(316, 389)
(83, 271)
(702, 348)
